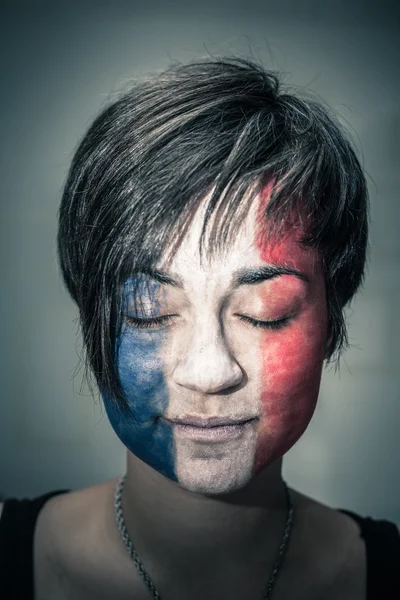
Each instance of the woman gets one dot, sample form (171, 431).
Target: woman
(212, 230)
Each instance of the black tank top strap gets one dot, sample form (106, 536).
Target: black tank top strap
(382, 541)
(17, 528)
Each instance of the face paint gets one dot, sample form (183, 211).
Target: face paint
(140, 370)
(214, 358)
(291, 360)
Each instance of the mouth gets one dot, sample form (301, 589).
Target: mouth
(210, 422)
(214, 429)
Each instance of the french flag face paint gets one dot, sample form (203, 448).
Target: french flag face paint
(222, 345)
(140, 367)
(291, 359)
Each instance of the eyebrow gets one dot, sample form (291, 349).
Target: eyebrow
(252, 276)
(245, 276)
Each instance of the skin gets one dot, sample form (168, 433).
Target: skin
(190, 506)
(207, 361)
(207, 518)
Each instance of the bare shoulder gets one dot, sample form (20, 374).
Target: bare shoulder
(323, 519)
(69, 532)
(332, 541)
(323, 524)
(76, 512)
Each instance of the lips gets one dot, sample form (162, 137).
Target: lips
(209, 422)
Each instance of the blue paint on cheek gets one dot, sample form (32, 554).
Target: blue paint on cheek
(140, 368)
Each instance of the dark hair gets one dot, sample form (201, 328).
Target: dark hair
(148, 159)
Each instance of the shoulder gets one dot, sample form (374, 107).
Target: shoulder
(331, 542)
(347, 520)
(67, 519)
(74, 533)
(19, 514)
(323, 520)
(349, 548)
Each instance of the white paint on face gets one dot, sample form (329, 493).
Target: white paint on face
(213, 368)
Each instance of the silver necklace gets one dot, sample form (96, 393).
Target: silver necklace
(134, 556)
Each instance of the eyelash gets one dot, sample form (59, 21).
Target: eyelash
(148, 323)
(151, 323)
(277, 324)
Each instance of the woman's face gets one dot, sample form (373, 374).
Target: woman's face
(228, 344)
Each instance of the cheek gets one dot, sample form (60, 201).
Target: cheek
(291, 359)
(291, 366)
(146, 393)
(141, 373)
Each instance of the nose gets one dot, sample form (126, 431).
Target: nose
(208, 365)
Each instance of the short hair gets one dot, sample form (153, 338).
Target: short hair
(220, 125)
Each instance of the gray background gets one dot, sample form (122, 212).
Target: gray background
(59, 62)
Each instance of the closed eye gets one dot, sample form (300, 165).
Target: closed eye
(274, 324)
(148, 323)
(154, 322)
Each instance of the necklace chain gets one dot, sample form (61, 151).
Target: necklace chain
(146, 578)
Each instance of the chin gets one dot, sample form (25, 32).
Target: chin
(213, 488)
(214, 476)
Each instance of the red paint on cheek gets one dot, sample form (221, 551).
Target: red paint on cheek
(292, 357)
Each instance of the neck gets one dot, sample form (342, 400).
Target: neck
(171, 526)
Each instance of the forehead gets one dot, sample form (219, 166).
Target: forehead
(248, 248)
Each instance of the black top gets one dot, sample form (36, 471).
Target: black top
(17, 525)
